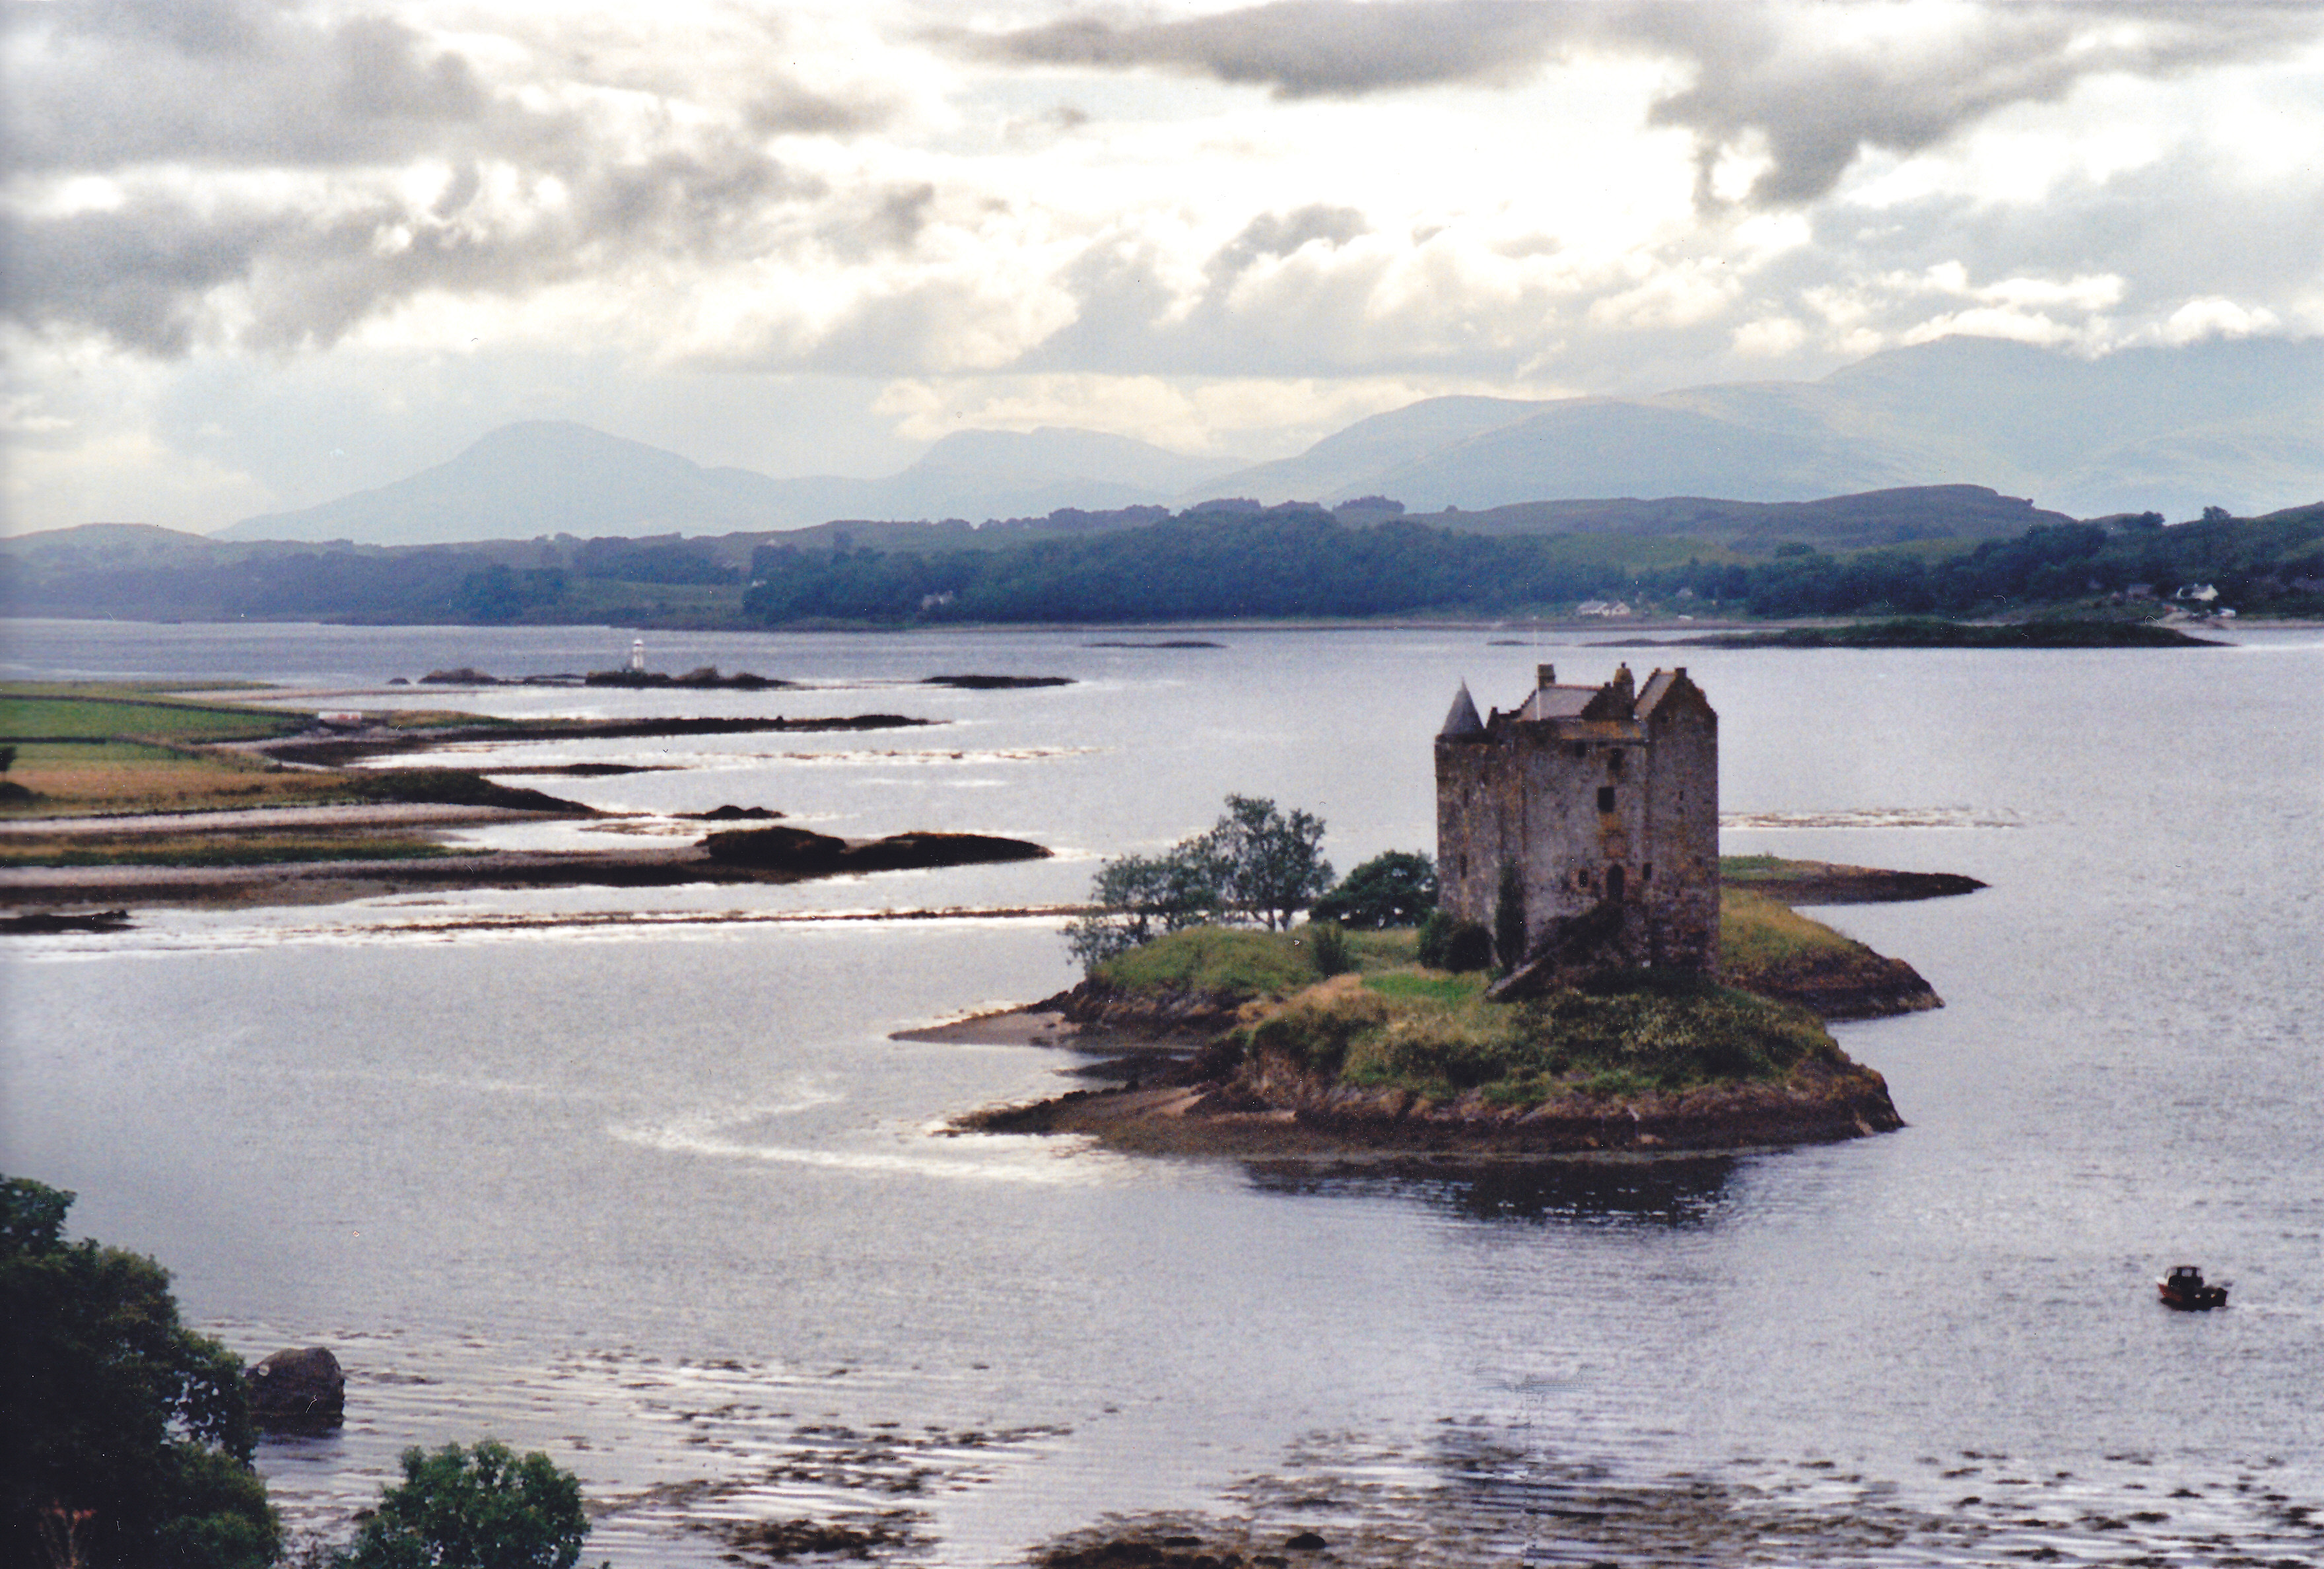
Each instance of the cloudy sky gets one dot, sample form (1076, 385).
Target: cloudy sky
(258, 254)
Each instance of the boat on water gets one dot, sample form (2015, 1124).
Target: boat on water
(2185, 1287)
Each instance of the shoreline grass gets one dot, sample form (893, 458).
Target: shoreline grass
(229, 849)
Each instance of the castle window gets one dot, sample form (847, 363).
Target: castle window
(1581, 878)
(1614, 762)
(1606, 797)
(1614, 884)
(1645, 873)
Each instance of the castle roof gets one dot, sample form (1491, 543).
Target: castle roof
(1615, 711)
(1463, 719)
(1662, 686)
(1556, 703)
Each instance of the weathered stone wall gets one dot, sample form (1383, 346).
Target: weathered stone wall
(1681, 837)
(1590, 810)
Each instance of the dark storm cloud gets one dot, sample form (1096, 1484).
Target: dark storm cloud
(1309, 48)
(782, 107)
(100, 84)
(208, 81)
(144, 275)
(134, 88)
(138, 276)
(1797, 76)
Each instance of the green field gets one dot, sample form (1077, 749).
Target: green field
(49, 712)
(114, 749)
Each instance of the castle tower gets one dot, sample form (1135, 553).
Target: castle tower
(1605, 801)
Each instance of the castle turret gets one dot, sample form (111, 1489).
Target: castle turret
(1463, 719)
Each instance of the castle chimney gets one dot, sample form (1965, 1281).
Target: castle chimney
(1546, 675)
(1624, 685)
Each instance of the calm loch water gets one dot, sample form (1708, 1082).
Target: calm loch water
(641, 1178)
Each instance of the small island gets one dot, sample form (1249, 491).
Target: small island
(1577, 971)
(1933, 632)
(131, 795)
(1224, 1041)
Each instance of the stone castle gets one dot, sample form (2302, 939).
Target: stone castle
(1605, 800)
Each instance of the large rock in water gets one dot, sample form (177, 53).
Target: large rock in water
(806, 853)
(298, 1389)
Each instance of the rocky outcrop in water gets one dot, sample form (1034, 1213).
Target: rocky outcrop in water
(297, 1391)
(809, 854)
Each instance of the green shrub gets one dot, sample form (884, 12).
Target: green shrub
(1255, 865)
(1509, 920)
(1398, 889)
(1447, 943)
(1327, 946)
(475, 1508)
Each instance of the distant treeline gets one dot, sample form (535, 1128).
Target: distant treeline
(1299, 562)
(1212, 564)
(187, 578)
(2270, 563)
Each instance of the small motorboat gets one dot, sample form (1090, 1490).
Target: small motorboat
(2185, 1287)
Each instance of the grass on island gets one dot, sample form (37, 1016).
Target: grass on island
(1391, 1024)
(135, 779)
(1222, 961)
(117, 777)
(257, 848)
(450, 719)
(112, 748)
(1766, 946)
(51, 713)
(1762, 943)
(1634, 1035)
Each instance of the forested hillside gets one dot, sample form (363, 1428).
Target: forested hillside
(1217, 563)
(1301, 562)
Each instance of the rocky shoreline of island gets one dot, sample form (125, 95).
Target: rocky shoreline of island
(796, 857)
(1276, 1113)
(1188, 1070)
(1184, 1084)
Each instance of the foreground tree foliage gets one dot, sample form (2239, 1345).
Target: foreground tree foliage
(485, 1507)
(1255, 865)
(126, 1437)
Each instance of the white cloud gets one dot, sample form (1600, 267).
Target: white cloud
(1215, 226)
(1770, 337)
(2215, 317)
(126, 477)
(1266, 417)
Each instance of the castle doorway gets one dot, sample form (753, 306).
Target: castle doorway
(1614, 880)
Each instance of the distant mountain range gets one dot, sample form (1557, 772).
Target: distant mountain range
(2237, 424)
(554, 476)
(2233, 424)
